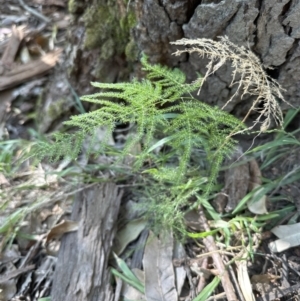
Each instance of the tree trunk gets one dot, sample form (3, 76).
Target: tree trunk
(108, 36)
(270, 28)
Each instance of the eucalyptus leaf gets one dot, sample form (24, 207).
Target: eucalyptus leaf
(158, 267)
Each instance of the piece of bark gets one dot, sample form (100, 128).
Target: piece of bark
(22, 73)
(11, 50)
(15, 273)
(237, 182)
(6, 98)
(150, 38)
(82, 272)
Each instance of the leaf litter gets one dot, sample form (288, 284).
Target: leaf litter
(48, 200)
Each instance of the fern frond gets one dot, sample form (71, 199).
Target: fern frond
(201, 126)
(64, 145)
(188, 122)
(172, 81)
(162, 106)
(138, 102)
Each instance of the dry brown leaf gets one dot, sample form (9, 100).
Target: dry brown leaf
(264, 278)
(22, 73)
(236, 180)
(60, 229)
(259, 206)
(128, 234)
(129, 292)
(255, 174)
(289, 236)
(180, 271)
(239, 180)
(3, 180)
(158, 267)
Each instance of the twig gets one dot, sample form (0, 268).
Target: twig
(216, 297)
(202, 280)
(191, 283)
(22, 73)
(220, 251)
(34, 12)
(211, 247)
(16, 273)
(235, 282)
(9, 54)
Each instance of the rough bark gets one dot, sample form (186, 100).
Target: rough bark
(271, 29)
(107, 37)
(99, 47)
(82, 271)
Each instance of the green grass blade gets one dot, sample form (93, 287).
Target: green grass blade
(159, 143)
(275, 144)
(124, 268)
(12, 219)
(289, 116)
(208, 290)
(202, 234)
(134, 284)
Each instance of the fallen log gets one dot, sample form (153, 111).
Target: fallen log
(82, 272)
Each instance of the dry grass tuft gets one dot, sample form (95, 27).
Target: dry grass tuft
(252, 79)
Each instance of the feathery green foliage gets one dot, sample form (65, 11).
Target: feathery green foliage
(162, 102)
(161, 106)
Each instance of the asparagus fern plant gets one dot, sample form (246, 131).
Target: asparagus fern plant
(162, 106)
(160, 102)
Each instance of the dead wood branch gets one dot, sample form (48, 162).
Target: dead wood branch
(11, 50)
(211, 247)
(22, 73)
